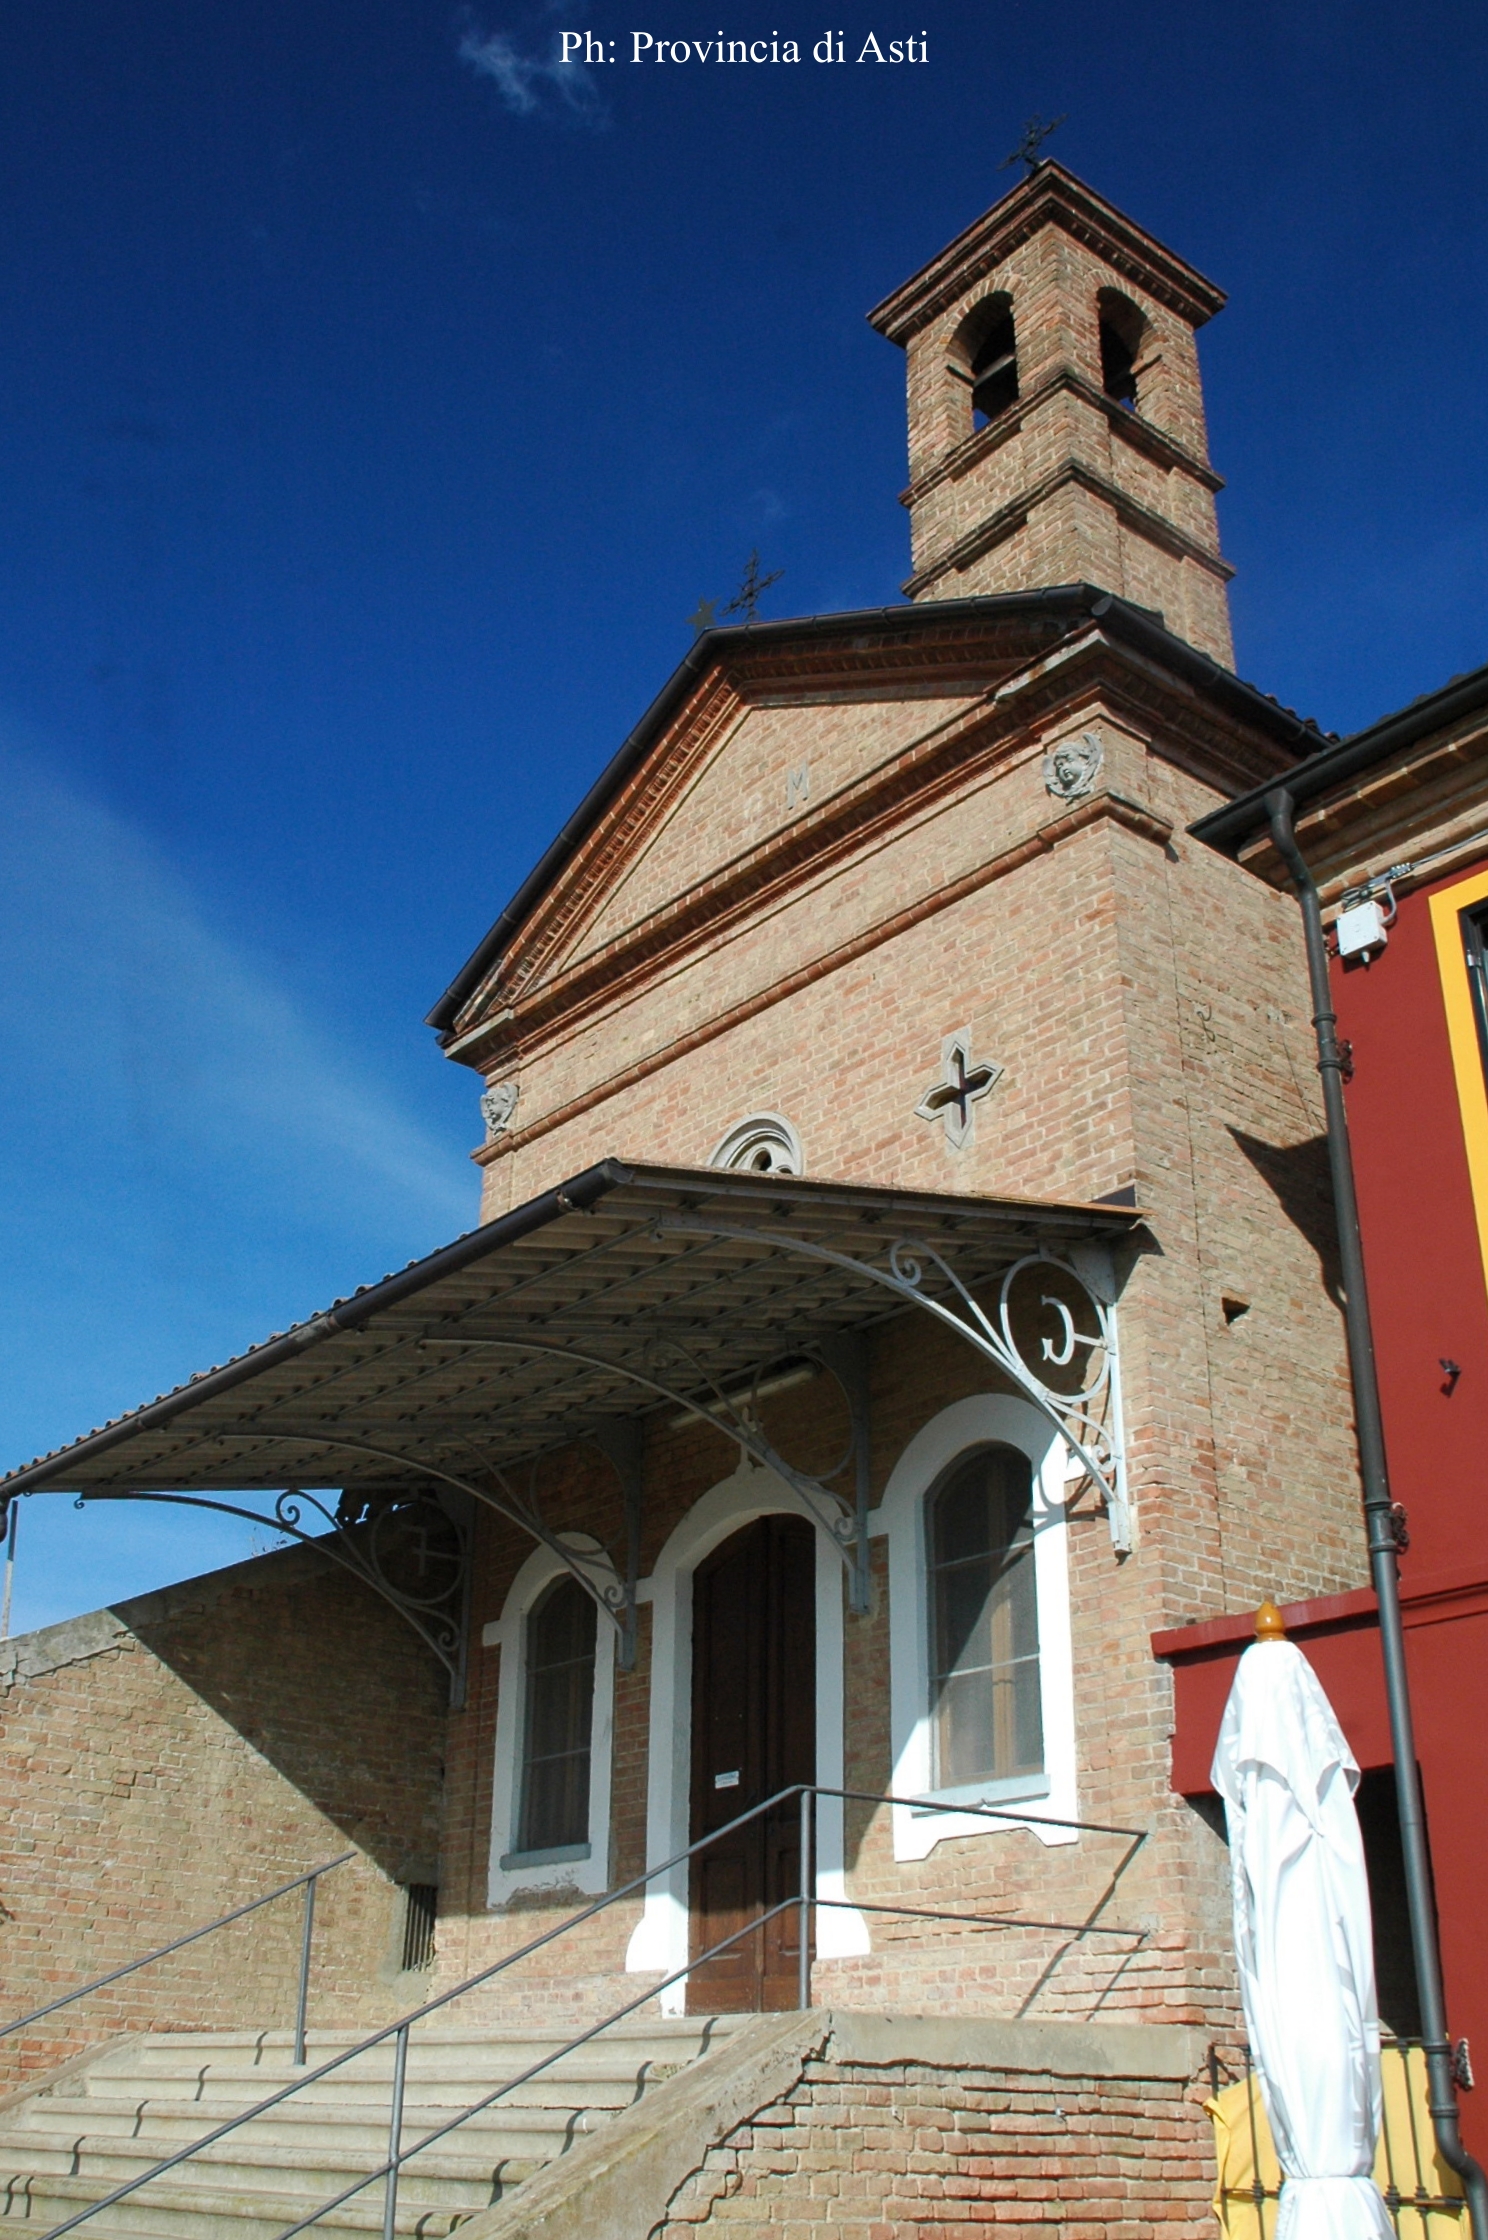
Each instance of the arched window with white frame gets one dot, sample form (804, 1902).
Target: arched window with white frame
(981, 1676)
(550, 1807)
(558, 1721)
(985, 1689)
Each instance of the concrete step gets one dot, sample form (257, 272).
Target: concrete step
(167, 2047)
(122, 2115)
(610, 2080)
(272, 2141)
(147, 2097)
(175, 2211)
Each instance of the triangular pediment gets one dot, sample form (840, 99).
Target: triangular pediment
(777, 752)
(759, 779)
(745, 764)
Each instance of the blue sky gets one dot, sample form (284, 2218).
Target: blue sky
(375, 406)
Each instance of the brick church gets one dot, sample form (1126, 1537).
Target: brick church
(900, 1292)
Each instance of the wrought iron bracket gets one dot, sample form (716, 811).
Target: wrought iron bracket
(622, 1442)
(594, 1569)
(1087, 1415)
(846, 1357)
(441, 1629)
(844, 1520)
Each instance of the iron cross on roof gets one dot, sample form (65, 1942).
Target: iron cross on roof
(1029, 151)
(746, 599)
(962, 1085)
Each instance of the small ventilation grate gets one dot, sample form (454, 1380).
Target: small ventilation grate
(420, 1911)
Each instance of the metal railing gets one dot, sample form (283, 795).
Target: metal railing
(804, 1902)
(1406, 2170)
(307, 1882)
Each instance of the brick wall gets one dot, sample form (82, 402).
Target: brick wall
(875, 2150)
(1141, 520)
(168, 1760)
(1173, 1894)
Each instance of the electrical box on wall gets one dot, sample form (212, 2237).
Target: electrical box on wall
(1361, 931)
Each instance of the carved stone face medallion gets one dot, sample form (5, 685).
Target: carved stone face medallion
(497, 1106)
(1071, 768)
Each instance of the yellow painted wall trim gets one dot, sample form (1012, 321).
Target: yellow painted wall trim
(1462, 1034)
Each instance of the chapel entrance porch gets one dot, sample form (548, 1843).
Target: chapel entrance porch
(553, 1398)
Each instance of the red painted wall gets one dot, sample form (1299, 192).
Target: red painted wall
(1426, 1290)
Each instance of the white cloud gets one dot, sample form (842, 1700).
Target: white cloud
(529, 84)
(117, 988)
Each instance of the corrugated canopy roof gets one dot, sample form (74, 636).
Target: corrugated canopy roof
(526, 1332)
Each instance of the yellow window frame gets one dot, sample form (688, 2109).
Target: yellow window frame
(1462, 1035)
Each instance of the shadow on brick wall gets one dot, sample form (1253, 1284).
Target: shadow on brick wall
(326, 1683)
(1297, 1176)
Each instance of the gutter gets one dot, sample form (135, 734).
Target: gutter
(1133, 624)
(1245, 818)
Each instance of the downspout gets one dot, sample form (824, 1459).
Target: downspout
(1379, 1525)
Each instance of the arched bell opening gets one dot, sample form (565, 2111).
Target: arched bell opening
(983, 366)
(1123, 339)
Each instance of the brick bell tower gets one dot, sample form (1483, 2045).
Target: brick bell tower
(1056, 417)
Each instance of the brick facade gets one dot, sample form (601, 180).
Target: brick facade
(169, 1760)
(1067, 484)
(839, 850)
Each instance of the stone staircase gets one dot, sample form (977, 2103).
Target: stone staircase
(107, 2119)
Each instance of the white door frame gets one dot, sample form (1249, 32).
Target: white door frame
(659, 1941)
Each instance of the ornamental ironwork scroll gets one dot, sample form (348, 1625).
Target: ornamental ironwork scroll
(410, 1549)
(843, 1516)
(1053, 1335)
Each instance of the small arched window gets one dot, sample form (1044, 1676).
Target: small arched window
(765, 1143)
(558, 1720)
(1122, 329)
(984, 1645)
(984, 358)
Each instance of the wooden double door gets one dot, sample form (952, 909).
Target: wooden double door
(753, 1732)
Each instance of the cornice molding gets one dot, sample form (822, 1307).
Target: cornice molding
(1050, 196)
(589, 878)
(1431, 803)
(1004, 722)
(1013, 516)
(759, 878)
(965, 657)
(1164, 450)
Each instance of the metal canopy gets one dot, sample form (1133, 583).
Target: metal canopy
(531, 1330)
(627, 1289)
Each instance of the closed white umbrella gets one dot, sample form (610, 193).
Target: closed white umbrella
(1302, 1937)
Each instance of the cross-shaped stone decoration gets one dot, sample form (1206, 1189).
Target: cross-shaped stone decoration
(961, 1086)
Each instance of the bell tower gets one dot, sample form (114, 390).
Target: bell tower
(1056, 417)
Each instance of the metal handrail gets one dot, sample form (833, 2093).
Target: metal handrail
(162, 1952)
(806, 1900)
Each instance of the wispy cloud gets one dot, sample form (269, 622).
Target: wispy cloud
(193, 1152)
(180, 1030)
(534, 84)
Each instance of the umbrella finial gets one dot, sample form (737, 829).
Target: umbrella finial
(1269, 1624)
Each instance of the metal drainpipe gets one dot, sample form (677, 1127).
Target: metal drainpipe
(1378, 1518)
